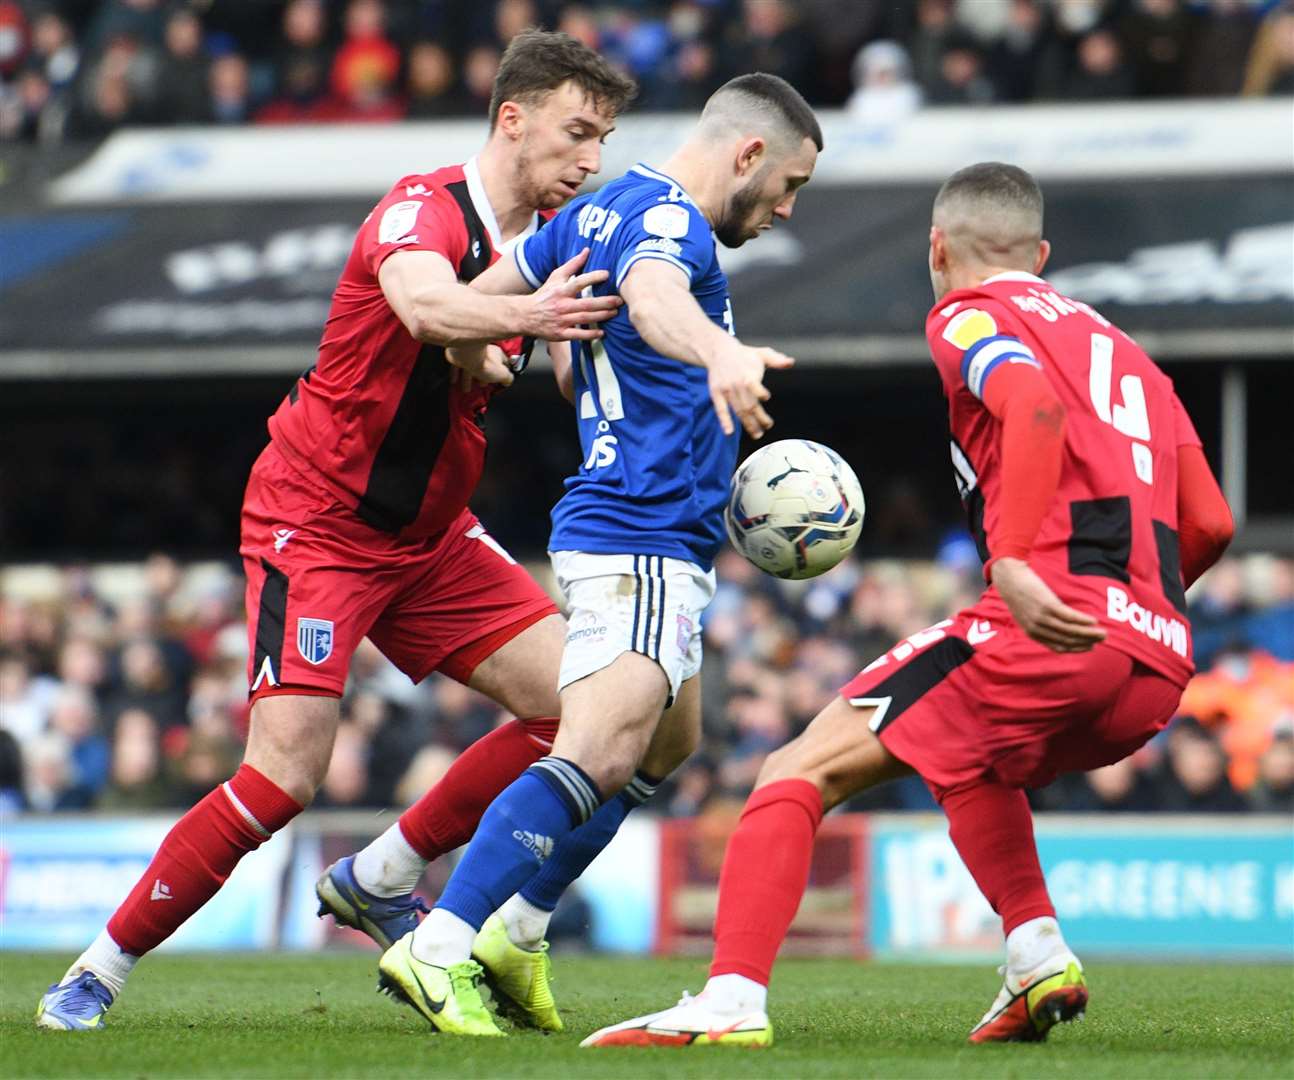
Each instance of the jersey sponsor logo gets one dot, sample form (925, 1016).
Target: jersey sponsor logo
(602, 453)
(662, 244)
(397, 222)
(281, 538)
(1120, 608)
(666, 219)
(314, 639)
(597, 222)
(905, 649)
(970, 326)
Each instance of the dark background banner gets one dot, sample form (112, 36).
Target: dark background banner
(1168, 257)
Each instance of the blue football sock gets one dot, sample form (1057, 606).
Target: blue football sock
(519, 830)
(578, 848)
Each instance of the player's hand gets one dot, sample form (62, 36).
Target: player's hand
(737, 386)
(1040, 613)
(480, 365)
(557, 311)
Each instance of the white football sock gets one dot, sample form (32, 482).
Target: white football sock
(389, 866)
(105, 958)
(735, 994)
(1031, 943)
(527, 925)
(443, 939)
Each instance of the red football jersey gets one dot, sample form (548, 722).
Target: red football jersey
(1108, 543)
(379, 420)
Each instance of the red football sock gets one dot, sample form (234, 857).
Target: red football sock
(447, 816)
(198, 854)
(992, 829)
(765, 871)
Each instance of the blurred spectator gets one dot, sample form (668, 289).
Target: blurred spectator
(1270, 70)
(301, 63)
(366, 68)
(511, 17)
(935, 27)
(142, 21)
(13, 38)
(771, 39)
(1274, 791)
(1243, 698)
(1025, 44)
(23, 708)
(1194, 777)
(1101, 72)
(147, 683)
(47, 774)
(961, 79)
(479, 68)
(184, 71)
(230, 89)
(885, 91)
(75, 719)
(1157, 37)
(1119, 788)
(431, 82)
(12, 799)
(136, 781)
(1222, 43)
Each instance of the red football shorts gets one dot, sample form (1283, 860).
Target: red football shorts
(319, 580)
(971, 699)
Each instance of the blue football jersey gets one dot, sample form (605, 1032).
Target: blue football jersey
(656, 463)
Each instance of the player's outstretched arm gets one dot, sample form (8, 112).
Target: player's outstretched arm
(425, 293)
(668, 318)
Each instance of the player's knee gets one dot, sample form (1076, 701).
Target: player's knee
(785, 763)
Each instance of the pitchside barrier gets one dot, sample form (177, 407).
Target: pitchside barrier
(885, 885)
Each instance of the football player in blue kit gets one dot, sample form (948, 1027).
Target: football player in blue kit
(635, 535)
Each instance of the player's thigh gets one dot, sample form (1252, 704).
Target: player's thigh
(608, 719)
(290, 741)
(461, 599)
(678, 734)
(838, 753)
(521, 674)
(314, 586)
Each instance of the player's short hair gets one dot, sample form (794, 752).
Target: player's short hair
(992, 211)
(760, 96)
(537, 62)
(1005, 188)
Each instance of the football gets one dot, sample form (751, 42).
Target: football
(795, 508)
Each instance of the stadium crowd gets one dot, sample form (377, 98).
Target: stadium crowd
(138, 702)
(77, 69)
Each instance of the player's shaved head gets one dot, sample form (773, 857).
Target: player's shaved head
(991, 216)
(764, 105)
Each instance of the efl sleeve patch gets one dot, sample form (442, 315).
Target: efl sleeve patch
(968, 327)
(667, 219)
(398, 221)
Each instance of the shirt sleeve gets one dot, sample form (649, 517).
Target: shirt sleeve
(539, 254)
(675, 232)
(1183, 429)
(409, 219)
(972, 341)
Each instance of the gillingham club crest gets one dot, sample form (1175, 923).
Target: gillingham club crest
(314, 639)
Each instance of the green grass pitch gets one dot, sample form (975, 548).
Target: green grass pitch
(318, 1016)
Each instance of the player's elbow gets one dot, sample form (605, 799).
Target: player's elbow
(1220, 530)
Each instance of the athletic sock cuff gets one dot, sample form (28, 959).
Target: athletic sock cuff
(261, 803)
(641, 788)
(540, 730)
(571, 784)
(800, 792)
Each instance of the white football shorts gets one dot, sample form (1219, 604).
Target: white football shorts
(646, 604)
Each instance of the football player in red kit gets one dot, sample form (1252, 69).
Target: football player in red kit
(1093, 507)
(355, 521)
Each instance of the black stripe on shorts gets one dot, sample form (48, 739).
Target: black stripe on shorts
(271, 622)
(916, 678)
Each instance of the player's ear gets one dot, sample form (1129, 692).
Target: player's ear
(938, 249)
(511, 119)
(749, 154)
(1044, 253)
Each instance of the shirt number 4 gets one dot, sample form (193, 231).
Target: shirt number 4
(1129, 418)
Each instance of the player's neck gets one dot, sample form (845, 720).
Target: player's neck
(511, 210)
(695, 175)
